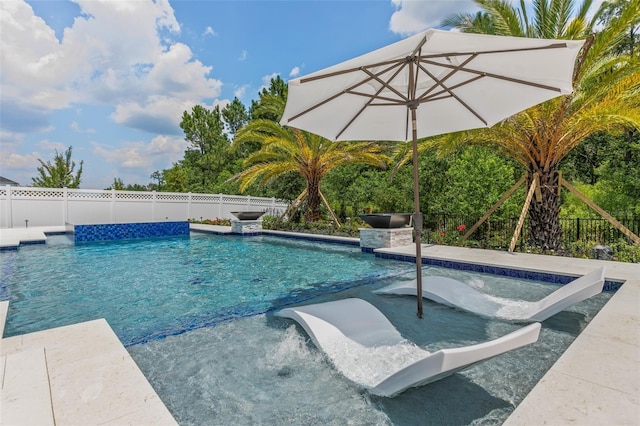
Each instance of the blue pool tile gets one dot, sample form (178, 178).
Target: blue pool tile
(125, 231)
(497, 270)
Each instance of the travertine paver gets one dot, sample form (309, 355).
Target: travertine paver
(25, 398)
(93, 379)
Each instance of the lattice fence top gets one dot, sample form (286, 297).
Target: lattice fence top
(172, 197)
(261, 201)
(206, 198)
(233, 199)
(36, 193)
(134, 196)
(89, 194)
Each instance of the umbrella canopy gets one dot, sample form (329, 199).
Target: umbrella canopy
(432, 83)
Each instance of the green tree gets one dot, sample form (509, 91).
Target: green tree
(160, 182)
(175, 178)
(235, 116)
(288, 150)
(117, 184)
(475, 179)
(611, 10)
(606, 96)
(270, 105)
(208, 153)
(60, 173)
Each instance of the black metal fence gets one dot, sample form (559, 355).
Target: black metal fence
(497, 233)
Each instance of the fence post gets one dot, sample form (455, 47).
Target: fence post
(577, 229)
(153, 206)
(219, 206)
(248, 202)
(9, 208)
(65, 206)
(189, 207)
(113, 205)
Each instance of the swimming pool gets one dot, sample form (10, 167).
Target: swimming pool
(149, 289)
(252, 367)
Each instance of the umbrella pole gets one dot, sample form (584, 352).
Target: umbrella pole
(417, 215)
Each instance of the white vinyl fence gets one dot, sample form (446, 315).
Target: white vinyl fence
(27, 206)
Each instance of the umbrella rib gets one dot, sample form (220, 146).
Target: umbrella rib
(350, 70)
(386, 83)
(437, 96)
(395, 63)
(375, 96)
(372, 98)
(485, 52)
(493, 75)
(456, 97)
(438, 55)
(440, 82)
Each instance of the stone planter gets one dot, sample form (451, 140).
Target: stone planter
(375, 238)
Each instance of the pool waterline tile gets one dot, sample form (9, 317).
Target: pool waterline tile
(496, 270)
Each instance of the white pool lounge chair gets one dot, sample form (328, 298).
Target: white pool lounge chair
(367, 349)
(455, 293)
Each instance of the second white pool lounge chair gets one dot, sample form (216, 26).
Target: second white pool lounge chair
(455, 293)
(367, 349)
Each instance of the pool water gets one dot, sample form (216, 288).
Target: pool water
(196, 316)
(149, 289)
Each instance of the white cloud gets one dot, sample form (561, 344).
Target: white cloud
(76, 127)
(47, 145)
(240, 91)
(412, 16)
(116, 53)
(266, 80)
(209, 31)
(220, 103)
(166, 145)
(9, 139)
(159, 153)
(294, 72)
(12, 160)
(157, 114)
(243, 56)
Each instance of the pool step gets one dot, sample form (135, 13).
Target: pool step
(26, 393)
(11, 238)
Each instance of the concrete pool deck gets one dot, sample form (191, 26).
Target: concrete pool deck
(92, 379)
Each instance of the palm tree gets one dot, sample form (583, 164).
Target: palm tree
(286, 150)
(606, 96)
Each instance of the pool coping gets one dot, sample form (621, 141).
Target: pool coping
(76, 374)
(595, 381)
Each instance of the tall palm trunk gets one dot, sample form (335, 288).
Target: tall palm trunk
(544, 221)
(313, 199)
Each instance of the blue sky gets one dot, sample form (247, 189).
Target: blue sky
(112, 78)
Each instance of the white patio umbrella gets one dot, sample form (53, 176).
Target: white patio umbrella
(432, 83)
